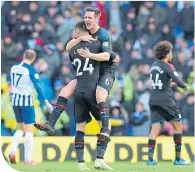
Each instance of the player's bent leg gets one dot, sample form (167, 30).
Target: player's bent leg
(177, 137)
(65, 93)
(15, 142)
(68, 90)
(28, 144)
(79, 146)
(156, 127)
(101, 96)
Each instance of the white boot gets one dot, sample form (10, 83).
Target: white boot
(101, 165)
(83, 167)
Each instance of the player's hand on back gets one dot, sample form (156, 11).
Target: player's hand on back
(87, 38)
(49, 106)
(173, 84)
(84, 52)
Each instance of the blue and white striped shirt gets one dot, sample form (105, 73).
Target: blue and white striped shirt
(23, 77)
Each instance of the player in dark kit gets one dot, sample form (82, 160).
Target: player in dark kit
(87, 71)
(106, 79)
(162, 105)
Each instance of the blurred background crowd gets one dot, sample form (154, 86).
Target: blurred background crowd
(135, 27)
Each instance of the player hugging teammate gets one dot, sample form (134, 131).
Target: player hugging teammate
(91, 87)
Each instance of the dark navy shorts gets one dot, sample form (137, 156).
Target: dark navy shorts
(83, 105)
(167, 113)
(25, 114)
(106, 80)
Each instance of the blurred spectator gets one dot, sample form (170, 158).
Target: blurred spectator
(117, 40)
(129, 33)
(24, 28)
(103, 17)
(188, 115)
(131, 17)
(115, 16)
(118, 119)
(53, 60)
(41, 31)
(173, 16)
(167, 35)
(51, 14)
(65, 25)
(159, 14)
(180, 65)
(187, 20)
(138, 120)
(142, 17)
(10, 11)
(152, 36)
(10, 52)
(33, 11)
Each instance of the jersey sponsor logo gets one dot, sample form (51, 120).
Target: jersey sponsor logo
(105, 44)
(107, 82)
(176, 74)
(36, 76)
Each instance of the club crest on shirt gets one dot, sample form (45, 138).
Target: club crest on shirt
(105, 44)
(36, 76)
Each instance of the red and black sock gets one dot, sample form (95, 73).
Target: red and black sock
(58, 109)
(101, 146)
(79, 145)
(151, 147)
(104, 114)
(177, 140)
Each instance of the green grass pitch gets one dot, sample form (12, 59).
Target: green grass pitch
(118, 166)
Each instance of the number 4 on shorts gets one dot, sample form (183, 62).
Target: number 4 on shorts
(107, 82)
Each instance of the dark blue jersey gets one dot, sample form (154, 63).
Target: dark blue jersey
(87, 70)
(106, 46)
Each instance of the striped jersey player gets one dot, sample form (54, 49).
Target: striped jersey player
(23, 78)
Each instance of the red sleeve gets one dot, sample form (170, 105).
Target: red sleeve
(171, 66)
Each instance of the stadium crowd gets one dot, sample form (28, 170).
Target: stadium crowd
(135, 27)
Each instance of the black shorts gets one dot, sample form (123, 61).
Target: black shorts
(168, 112)
(106, 80)
(83, 105)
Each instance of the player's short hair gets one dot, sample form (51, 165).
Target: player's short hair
(81, 26)
(162, 48)
(29, 54)
(95, 10)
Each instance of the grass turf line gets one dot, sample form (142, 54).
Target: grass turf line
(118, 166)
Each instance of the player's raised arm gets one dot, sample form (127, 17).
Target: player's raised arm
(175, 77)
